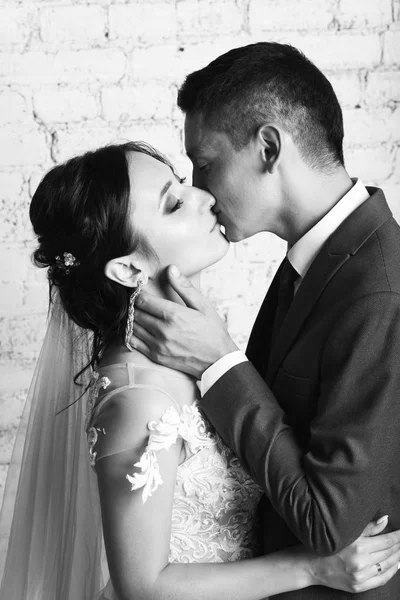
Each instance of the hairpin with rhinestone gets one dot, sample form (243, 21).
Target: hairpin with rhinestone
(66, 262)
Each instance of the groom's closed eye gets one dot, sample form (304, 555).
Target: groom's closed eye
(201, 173)
(198, 162)
(202, 164)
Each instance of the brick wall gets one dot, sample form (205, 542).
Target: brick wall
(75, 74)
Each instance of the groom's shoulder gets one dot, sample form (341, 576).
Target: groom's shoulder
(372, 222)
(371, 237)
(385, 243)
(390, 229)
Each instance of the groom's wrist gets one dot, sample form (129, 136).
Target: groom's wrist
(219, 368)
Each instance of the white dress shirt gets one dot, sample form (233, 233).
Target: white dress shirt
(300, 255)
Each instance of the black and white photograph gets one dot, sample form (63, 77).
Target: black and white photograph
(200, 300)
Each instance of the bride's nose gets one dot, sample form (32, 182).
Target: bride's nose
(207, 200)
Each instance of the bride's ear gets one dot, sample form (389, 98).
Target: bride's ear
(126, 271)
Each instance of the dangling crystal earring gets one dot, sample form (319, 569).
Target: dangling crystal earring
(131, 314)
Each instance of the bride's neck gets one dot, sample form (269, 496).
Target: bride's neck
(115, 351)
(160, 287)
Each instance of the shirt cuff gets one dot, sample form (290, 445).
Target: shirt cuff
(219, 368)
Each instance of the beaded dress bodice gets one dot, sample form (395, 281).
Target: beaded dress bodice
(215, 500)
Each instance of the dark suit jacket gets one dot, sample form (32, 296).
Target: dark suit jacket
(316, 418)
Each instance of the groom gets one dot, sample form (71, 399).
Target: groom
(313, 412)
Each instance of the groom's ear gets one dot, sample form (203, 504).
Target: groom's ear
(126, 271)
(270, 139)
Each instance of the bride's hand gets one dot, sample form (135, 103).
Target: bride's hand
(367, 563)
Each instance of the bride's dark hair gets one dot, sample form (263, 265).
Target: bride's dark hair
(83, 207)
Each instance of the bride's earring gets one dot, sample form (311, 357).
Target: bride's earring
(131, 314)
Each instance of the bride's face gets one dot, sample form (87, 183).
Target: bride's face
(175, 219)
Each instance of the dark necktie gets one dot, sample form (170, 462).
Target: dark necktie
(287, 279)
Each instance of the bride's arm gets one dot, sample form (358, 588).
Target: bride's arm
(137, 533)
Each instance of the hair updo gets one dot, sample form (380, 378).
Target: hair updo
(83, 208)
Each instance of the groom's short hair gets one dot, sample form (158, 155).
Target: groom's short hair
(268, 82)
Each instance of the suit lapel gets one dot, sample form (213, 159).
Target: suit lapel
(343, 243)
(320, 273)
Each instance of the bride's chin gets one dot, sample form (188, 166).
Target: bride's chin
(223, 250)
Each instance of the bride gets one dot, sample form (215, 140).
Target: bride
(117, 454)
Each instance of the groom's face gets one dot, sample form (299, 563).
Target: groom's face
(229, 175)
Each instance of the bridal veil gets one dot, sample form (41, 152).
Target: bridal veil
(50, 519)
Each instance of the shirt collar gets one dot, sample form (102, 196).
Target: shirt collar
(303, 252)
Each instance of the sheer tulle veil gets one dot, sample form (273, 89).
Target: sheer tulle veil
(50, 519)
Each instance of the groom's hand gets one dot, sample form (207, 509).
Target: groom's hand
(187, 338)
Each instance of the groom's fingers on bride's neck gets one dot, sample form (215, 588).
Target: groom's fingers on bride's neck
(145, 333)
(191, 296)
(140, 346)
(158, 307)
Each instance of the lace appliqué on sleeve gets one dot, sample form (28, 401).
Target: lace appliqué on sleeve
(97, 384)
(188, 425)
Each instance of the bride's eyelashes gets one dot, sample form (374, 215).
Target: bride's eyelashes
(178, 204)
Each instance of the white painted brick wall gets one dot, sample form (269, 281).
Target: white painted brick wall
(392, 47)
(347, 85)
(143, 23)
(27, 148)
(382, 89)
(207, 18)
(75, 74)
(292, 15)
(38, 67)
(364, 13)
(14, 108)
(147, 101)
(76, 25)
(16, 25)
(65, 106)
(338, 50)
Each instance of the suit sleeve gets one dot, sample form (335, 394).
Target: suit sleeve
(329, 492)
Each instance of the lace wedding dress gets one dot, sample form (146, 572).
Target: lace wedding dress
(214, 505)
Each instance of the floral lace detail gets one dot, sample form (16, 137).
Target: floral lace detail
(188, 425)
(92, 437)
(96, 385)
(214, 511)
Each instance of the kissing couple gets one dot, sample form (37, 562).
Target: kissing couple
(159, 460)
